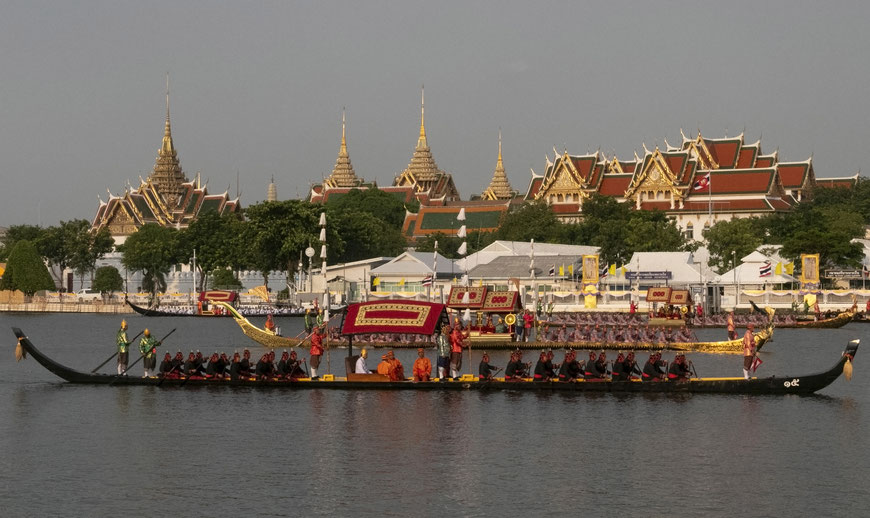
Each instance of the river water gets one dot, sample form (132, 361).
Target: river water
(70, 450)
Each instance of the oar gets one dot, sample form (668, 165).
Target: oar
(695, 372)
(140, 358)
(116, 353)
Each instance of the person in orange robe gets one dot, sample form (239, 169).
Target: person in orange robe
(392, 367)
(422, 367)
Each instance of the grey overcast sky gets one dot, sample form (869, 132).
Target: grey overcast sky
(257, 88)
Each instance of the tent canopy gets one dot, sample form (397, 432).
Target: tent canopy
(393, 316)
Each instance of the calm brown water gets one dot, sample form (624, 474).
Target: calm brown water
(144, 451)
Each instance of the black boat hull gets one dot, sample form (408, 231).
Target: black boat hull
(807, 384)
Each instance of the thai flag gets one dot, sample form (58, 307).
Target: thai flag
(427, 281)
(765, 269)
(701, 183)
(552, 271)
(604, 271)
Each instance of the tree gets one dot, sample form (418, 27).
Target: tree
(653, 231)
(533, 220)
(25, 270)
(107, 279)
(152, 250)
(827, 231)
(729, 241)
(86, 247)
(366, 236)
(17, 233)
(278, 231)
(384, 206)
(211, 235)
(224, 279)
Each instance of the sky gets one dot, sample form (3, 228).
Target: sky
(257, 89)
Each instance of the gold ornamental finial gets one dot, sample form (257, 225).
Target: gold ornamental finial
(422, 115)
(343, 149)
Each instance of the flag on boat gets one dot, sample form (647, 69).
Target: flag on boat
(765, 269)
(702, 183)
(756, 363)
(427, 280)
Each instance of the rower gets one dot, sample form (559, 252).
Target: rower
(589, 368)
(631, 366)
(598, 370)
(236, 366)
(178, 363)
(515, 370)
(618, 370)
(571, 369)
(294, 366)
(679, 370)
(652, 370)
(485, 370)
(542, 372)
(282, 363)
(245, 364)
(213, 369)
(166, 365)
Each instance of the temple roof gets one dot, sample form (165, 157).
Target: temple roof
(422, 167)
(499, 188)
(343, 174)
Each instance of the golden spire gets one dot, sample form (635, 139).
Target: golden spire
(167, 148)
(421, 142)
(422, 168)
(167, 175)
(343, 174)
(499, 188)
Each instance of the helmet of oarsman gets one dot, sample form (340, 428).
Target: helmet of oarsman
(147, 333)
(292, 354)
(167, 357)
(485, 357)
(123, 324)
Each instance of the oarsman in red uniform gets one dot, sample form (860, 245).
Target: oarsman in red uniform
(457, 338)
(316, 351)
(748, 349)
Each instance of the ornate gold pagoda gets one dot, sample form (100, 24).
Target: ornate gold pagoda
(422, 173)
(167, 175)
(499, 188)
(343, 174)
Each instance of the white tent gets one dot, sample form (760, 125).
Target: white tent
(749, 272)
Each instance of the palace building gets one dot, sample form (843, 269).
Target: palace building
(698, 183)
(166, 197)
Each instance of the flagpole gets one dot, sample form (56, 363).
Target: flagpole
(710, 199)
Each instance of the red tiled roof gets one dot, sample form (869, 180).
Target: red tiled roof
(677, 163)
(614, 184)
(764, 161)
(746, 160)
(724, 151)
(833, 183)
(742, 181)
(534, 187)
(793, 176)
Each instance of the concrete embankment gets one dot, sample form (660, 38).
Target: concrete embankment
(64, 307)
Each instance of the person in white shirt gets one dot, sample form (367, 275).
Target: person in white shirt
(361, 367)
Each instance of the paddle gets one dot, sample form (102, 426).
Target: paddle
(116, 353)
(140, 358)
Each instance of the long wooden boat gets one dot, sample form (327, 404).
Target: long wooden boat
(501, 341)
(772, 385)
(260, 335)
(828, 323)
(149, 312)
